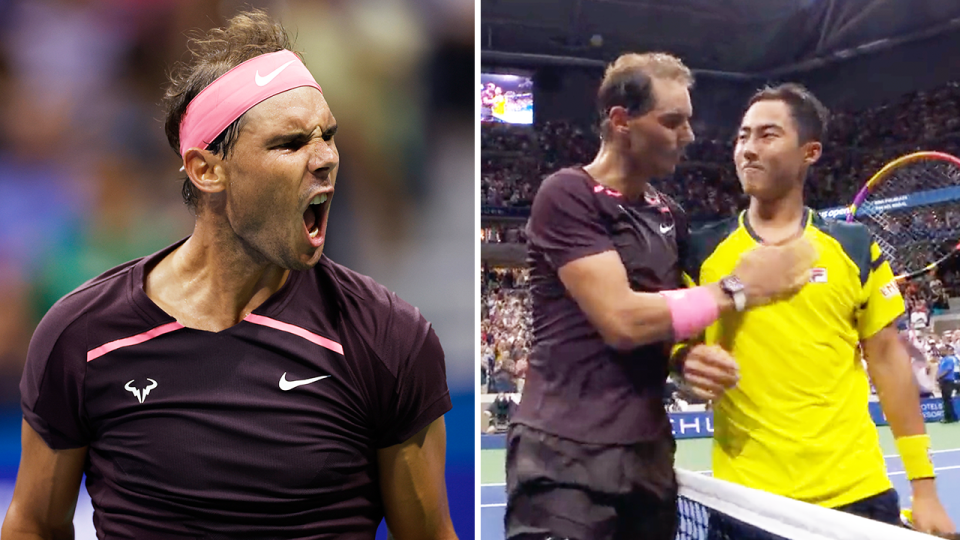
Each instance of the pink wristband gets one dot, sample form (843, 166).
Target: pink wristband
(691, 310)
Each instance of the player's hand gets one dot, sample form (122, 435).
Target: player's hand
(928, 515)
(774, 272)
(708, 370)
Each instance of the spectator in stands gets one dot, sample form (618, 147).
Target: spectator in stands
(940, 302)
(919, 361)
(669, 390)
(500, 412)
(503, 378)
(921, 373)
(948, 376)
(487, 363)
(952, 339)
(918, 316)
(677, 404)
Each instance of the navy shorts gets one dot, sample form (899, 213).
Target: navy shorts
(563, 489)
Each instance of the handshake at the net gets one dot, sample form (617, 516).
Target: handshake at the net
(769, 273)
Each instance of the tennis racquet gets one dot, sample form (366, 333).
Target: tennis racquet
(912, 208)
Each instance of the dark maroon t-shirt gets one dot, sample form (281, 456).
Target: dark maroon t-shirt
(268, 429)
(576, 386)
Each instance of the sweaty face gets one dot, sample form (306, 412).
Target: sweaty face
(280, 178)
(658, 138)
(768, 155)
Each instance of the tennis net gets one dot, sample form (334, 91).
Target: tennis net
(712, 509)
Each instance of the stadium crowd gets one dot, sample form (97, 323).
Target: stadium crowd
(505, 329)
(516, 158)
(494, 234)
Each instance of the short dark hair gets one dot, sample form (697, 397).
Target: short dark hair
(627, 82)
(809, 114)
(247, 35)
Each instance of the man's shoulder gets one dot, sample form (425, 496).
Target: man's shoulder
(566, 180)
(110, 293)
(848, 233)
(854, 239)
(567, 173)
(368, 303)
(702, 242)
(353, 284)
(103, 300)
(705, 239)
(569, 192)
(99, 294)
(376, 320)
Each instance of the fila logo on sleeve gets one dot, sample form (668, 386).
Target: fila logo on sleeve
(818, 275)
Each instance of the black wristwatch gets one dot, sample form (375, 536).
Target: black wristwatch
(733, 287)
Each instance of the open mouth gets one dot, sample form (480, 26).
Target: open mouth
(313, 217)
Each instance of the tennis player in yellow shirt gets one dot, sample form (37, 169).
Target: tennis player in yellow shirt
(789, 388)
(499, 104)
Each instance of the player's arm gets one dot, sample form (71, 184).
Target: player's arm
(886, 355)
(888, 363)
(626, 319)
(413, 487)
(45, 494)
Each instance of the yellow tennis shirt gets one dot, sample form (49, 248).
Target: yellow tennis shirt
(500, 105)
(797, 424)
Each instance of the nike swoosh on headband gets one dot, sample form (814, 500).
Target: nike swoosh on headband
(263, 81)
(231, 95)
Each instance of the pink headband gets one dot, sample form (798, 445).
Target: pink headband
(236, 92)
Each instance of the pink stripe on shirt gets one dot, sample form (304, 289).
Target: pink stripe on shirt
(133, 340)
(295, 330)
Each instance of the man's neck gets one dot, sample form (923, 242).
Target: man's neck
(611, 168)
(776, 220)
(213, 281)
